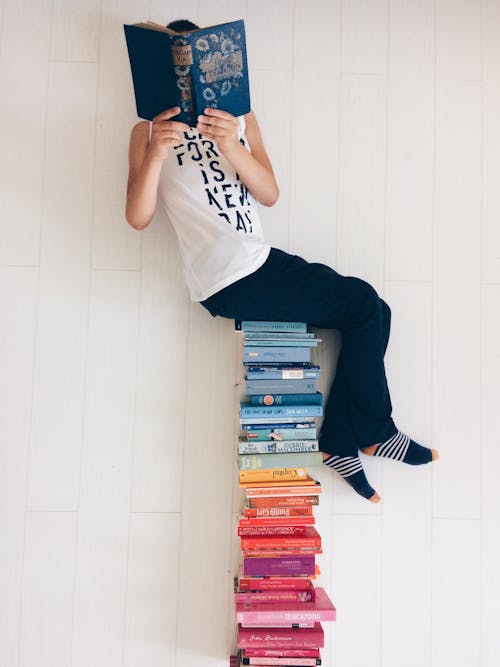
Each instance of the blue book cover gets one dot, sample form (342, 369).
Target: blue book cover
(254, 325)
(195, 69)
(263, 387)
(273, 354)
(287, 399)
(248, 411)
(275, 372)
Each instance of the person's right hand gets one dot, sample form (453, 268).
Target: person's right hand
(166, 133)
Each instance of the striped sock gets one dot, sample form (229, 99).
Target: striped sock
(351, 469)
(401, 447)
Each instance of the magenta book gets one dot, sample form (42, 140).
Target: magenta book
(282, 565)
(280, 653)
(281, 638)
(321, 609)
(267, 597)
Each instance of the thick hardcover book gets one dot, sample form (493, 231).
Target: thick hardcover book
(272, 475)
(260, 387)
(283, 372)
(293, 460)
(281, 637)
(287, 399)
(322, 609)
(248, 411)
(280, 501)
(284, 446)
(271, 354)
(264, 512)
(310, 538)
(195, 69)
(282, 565)
(253, 325)
(284, 490)
(267, 583)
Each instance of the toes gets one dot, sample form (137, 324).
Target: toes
(375, 498)
(435, 454)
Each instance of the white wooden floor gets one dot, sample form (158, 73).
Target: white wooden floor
(117, 397)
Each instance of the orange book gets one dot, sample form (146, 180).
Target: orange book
(269, 553)
(273, 475)
(300, 482)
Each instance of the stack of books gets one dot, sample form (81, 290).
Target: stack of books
(279, 610)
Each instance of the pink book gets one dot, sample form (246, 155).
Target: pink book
(286, 662)
(281, 638)
(280, 653)
(280, 566)
(321, 609)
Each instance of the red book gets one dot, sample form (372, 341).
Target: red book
(283, 501)
(270, 491)
(281, 638)
(247, 583)
(310, 538)
(277, 521)
(265, 553)
(289, 531)
(301, 510)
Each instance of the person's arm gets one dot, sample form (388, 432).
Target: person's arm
(254, 168)
(145, 163)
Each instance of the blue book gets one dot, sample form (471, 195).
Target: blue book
(280, 372)
(262, 387)
(287, 399)
(248, 411)
(191, 70)
(280, 439)
(253, 325)
(287, 342)
(273, 354)
(303, 424)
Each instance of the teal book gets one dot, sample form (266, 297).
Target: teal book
(248, 411)
(279, 460)
(205, 67)
(287, 399)
(254, 325)
(272, 354)
(276, 435)
(260, 387)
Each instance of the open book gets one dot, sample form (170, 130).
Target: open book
(199, 68)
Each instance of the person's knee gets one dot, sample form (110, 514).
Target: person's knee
(386, 311)
(364, 301)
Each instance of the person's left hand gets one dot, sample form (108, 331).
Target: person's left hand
(220, 126)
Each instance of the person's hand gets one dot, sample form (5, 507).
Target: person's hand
(166, 133)
(220, 126)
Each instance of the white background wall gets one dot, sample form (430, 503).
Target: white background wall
(117, 397)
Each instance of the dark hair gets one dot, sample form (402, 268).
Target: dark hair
(182, 25)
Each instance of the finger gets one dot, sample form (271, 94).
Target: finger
(167, 113)
(212, 131)
(216, 122)
(218, 113)
(175, 125)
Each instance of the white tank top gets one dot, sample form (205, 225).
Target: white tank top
(215, 217)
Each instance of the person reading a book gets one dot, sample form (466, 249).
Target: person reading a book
(209, 179)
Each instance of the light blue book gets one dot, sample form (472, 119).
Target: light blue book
(288, 460)
(273, 354)
(276, 335)
(248, 411)
(289, 342)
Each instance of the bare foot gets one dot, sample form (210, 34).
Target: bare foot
(435, 454)
(369, 450)
(375, 498)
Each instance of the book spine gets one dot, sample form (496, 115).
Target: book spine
(182, 58)
(265, 512)
(274, 584)
(270, 491)
(293, 617)
(266, 447)
(287, 501)
(276, 552)
(250, 325)
(274, 653)
(278, 596)
(283, 541)
(279, 566)
(283, 342)
(276, 421)
(281, 638)
(260, 387)
(280, 335)
(288, 662)
(301, 426)
(272, 354)
(284, 531)
(245, 522)
(273, 411)
(272, 475)
(287, 399)
(281, 372)
(281, 460)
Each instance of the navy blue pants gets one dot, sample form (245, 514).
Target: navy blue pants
(290, 289)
